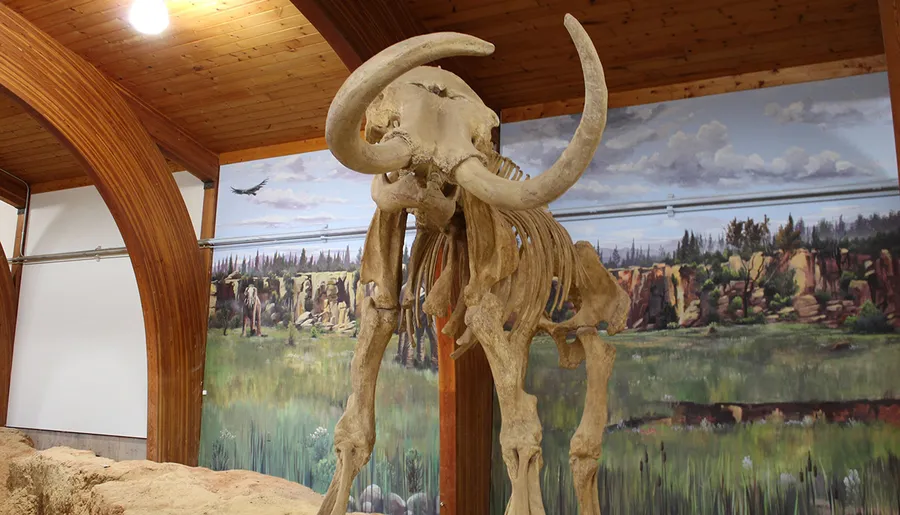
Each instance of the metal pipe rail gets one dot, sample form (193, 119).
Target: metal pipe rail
(669, 207)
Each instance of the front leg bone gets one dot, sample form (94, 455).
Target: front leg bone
(354, 435)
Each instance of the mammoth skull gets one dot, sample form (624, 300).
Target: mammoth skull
(429, 134)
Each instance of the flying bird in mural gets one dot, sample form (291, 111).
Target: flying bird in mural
(250, 191)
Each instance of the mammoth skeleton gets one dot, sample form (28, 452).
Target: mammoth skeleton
(488, 253)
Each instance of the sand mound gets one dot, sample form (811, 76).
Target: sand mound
(62, 480)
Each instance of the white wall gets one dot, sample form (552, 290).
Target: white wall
(8, 216)
(79, 362)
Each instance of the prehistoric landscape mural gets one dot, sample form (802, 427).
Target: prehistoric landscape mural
(757, 374)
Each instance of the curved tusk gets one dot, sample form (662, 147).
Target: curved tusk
(342, 127)
(550, 185)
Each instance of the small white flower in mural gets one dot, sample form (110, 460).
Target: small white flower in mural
(225, 434)
(852, 481)
(318, 433)
(637, 357)
(747, 463)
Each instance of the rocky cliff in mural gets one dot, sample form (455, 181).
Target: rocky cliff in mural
(803, 286)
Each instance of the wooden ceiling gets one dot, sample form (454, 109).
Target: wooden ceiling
(232, 74)
(647, 43)
(237, 75)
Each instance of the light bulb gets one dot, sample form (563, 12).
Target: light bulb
(149, 16)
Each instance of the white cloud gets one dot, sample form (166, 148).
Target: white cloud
(288, 199)
(588, 189)
(708, 158)
(833, 113)
(631, 138)
(276, 221)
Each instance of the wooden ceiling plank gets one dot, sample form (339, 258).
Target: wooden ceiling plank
(210, 64)
(545, 57)
(238, 112)
(35, 10)
(237, 87)
(307, 52)
(265, 119)
(112, 17)
(220, 22)
(752, 50)
(280, 21)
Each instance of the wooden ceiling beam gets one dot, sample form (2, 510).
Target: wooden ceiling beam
(174, 142)
(698, 88)
(358, 30)
(12, 192)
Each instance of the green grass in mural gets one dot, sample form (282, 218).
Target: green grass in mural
(747, 468)
(272, 408)
(267, 402)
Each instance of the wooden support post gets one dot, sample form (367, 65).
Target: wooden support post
(19, 245)
(890, 31)
(466, 416)
(9, 309)
(208, 217)
(7, 332)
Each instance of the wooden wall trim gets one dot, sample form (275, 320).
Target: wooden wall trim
(7, 332)
(78, 104)
(715, 86)
(279, 150)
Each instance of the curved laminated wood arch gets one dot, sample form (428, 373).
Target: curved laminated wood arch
(7, 331)
(82, 108)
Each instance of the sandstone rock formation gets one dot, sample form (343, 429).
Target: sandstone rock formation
(828, 290)
(67, 481)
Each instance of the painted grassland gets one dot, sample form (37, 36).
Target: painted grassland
(271, 407)
(769, 465)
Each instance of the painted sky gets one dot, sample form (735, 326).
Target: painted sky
(813, 135)
(820, 134)
(304, 192)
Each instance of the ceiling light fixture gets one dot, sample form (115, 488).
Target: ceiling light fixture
(149, 16)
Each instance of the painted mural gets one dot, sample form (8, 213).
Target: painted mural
(756, 375)
(758, 371)
(282, 330)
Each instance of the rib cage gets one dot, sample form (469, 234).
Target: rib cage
(546, 252)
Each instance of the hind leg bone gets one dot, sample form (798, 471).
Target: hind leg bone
(520, 432)
(586, 445)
